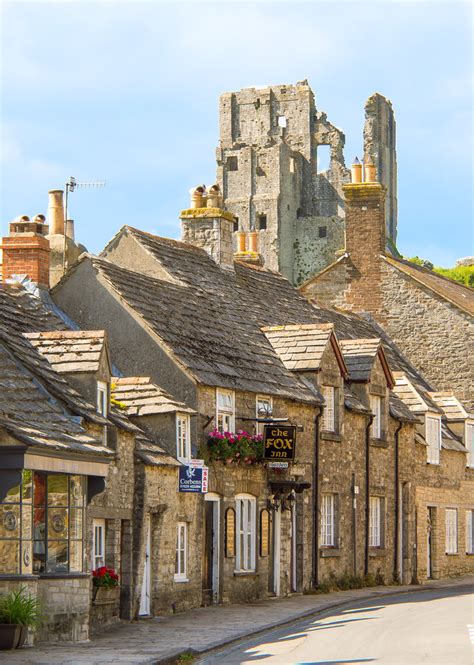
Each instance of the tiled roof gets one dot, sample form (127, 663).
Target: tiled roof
(353, 403)
(415, 398)
(33, 416)
(399, 410)
(140, 397)
(70, 351)
(449, 441)
(360, 355)
(301, 347)
(458, 294)
(451, 407)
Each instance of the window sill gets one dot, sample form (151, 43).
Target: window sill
(433, 463)
(245, 573)
(452, 553)
(379, 443)
(61, 576)
(7, 577)
(469, 553)
(327, 552)
(181, 580)
(330, 436)
(377, 551)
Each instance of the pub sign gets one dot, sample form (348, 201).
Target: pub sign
(279, 442)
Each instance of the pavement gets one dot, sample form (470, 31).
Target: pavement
(161, 640)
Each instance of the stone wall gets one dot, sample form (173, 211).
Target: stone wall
(66, 603)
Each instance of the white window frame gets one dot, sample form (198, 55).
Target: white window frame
(470, 531)
(329, 412)
(328, 520)
(102, 398)
(262, 399)
(181, 562)
(225, 413)
(98, 543)
(433, 438)
(246, 533)
(451, 523)
(375, 521)
(469, 443)
(376, 408)
(183, 437)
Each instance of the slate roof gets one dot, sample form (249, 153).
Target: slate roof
(353, 403)
(415, 398)
(451, 407)
(458, 294)
(399, 410)
(301, 347)
(70, 351)
(140, 397)
(33, 416)
(360, 355)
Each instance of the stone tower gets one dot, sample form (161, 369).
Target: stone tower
(270, 172)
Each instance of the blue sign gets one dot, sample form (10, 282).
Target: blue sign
(193, 479)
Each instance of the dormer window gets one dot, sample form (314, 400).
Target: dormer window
(102, 398)
(469, 443)
(225, 410)
(433, 438)
(183, 437)
(376, 406)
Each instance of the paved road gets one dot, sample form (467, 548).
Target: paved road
(434, 627)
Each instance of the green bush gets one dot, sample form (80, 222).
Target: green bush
(19, 608)
(462, 274)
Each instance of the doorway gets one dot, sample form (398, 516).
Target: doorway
(145, 596)
(211, 551)
(276, 552)
(430, 541)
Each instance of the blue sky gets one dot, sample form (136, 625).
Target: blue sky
(127, 92)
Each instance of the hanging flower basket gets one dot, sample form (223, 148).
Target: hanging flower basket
(240, 448)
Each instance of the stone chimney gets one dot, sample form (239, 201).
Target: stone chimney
(26, 251)
(64, 251)
(205, 224)
(365, 236)
(56, 212)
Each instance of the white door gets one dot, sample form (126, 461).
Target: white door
(401, 508)
(276, 551)
(146, 582)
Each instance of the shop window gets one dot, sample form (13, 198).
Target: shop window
(98, 543)
(183, 437)
(451, 531)
(245, 533)
(433, 438)
(225, 412)
(376, 520)
(181, 566)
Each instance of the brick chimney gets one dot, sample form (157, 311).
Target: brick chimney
(205, 224)
(365, 236)
(26, 251)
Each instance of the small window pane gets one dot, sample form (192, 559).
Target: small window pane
(76, 523)
(58, 490)
(76, 491)
(58, 523)
(27, 489)
(9, 521)
(9, 557)
(26, 522)
(57, 556)
(75, 553)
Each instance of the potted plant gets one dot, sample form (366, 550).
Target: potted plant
(18, 612)
(103, 578)
(240, 448)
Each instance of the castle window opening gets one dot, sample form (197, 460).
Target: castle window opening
(232, 163)
(262, 222)
(322, 231)
(299, 213)
(292, 165)
(323, 157)
(281, 121)
(236, 224)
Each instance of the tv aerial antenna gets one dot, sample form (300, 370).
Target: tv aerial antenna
(72, 184)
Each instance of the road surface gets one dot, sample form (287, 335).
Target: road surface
(435, 627)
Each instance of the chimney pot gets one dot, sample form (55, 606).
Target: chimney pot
(241, 241)
(370, 172)
(197, 194)
(56, 212)
(356, 172)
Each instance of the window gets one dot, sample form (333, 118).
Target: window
(262, 222)
(183, 437)
(236, 223)
(433, 439)
(98, 543)
(181, 566)
(470, 531)
(225, 416)
(292, 165)
(323, 157)
(281, 121)
(469, 443)
(328, 520)
(322, 231)
(264, 409)
(375, 521)
(102, 398)
(329, 420)
(232, 163)
(376, 408)
(245, 532)
(451, 531)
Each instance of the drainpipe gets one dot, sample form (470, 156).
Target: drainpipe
(396, 561)
(354, 522)
(316, 502)
(367, 492)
